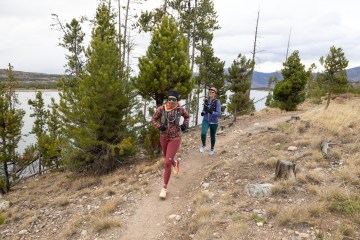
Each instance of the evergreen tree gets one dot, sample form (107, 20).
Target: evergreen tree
(166, 64)
(10, 128)
(211, 72)
(272, 81)
(99, 135)
(289, 93)
(240, 81)
(334, 77)
(52, 140)
(205, 24)
(39, 128)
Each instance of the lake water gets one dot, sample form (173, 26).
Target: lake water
(24, 97)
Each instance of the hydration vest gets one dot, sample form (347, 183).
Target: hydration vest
(164, 117)
(211, 106)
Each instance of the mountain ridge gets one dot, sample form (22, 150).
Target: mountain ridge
(260, 79)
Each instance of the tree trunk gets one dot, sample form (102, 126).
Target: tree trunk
(197, 108)
(328, 100)
(40, 160)
(7, 177)
(254, 51)
(287, 50)
(119, 9)
(285, 170)
(125, 32)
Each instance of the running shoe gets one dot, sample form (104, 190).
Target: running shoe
(176, 168)
(212, 152)
(201, 149)
(163, 193)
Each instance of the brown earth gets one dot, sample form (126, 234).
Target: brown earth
(206, 200)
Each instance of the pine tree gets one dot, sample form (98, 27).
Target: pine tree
(10, 127)
(99, 136)
(39, 128)
(240, 81)
(166, 64)
(334, 77)
(205, 24)
(289, 93)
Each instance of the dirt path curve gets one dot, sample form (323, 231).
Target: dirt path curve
(151, 218)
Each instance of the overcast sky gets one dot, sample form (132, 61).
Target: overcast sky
(29, 44)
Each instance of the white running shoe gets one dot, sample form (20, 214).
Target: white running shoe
(201, 149)
(212, 152)
(163, 193)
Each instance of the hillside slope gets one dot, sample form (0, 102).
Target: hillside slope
(207, 199)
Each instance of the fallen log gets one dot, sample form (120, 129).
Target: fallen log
(325, 146)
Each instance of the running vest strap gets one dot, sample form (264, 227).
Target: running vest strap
(211, 105)
(164, 117)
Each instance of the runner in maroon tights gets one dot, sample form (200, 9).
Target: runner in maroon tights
(170, 133)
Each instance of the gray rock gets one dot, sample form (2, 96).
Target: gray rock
(258, 190)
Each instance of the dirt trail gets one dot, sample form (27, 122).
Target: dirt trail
(151, 219)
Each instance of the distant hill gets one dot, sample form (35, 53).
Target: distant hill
(260, 79)
(30, 76)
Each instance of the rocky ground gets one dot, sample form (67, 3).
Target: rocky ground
(208, 198)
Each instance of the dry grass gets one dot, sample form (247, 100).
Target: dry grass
(72, 227)
(349, 175)
(284, 187)
(201, 217)
(335, 119)
(201, 198)
(85, 182)
(61, 201)
(108, 207)
(268, 162)
(102, 224)
(315, 177)
(28, 221)
(115, 179)
(294, 216)
(314, 189)
(107, 191)
(234, 230)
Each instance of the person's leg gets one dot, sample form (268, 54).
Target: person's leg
(172, 147)
(213, 128)
(204, 129)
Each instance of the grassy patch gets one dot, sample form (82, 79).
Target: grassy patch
(2, 219)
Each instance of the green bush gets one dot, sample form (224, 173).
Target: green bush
(2, 219)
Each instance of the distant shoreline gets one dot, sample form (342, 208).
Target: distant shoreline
(56, 90)
(36, 90)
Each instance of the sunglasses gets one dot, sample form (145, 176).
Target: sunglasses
(172, 99)
(211, 91)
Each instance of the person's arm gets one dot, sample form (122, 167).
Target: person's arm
(205, 108)
(186, 117)
(156, 117)
(218, 109)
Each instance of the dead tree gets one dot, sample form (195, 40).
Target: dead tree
(254, 50)
(285, 170)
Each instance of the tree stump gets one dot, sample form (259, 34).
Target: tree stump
(285, 170)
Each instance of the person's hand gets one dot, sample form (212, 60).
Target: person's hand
(183, 127)
(202, 113)
(162, 128)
